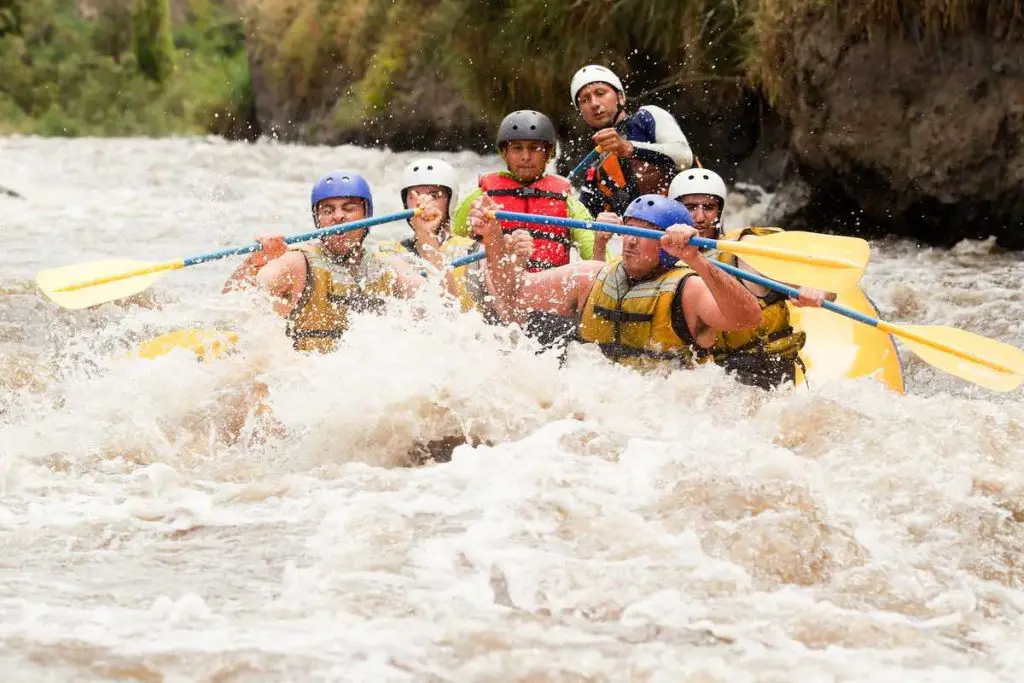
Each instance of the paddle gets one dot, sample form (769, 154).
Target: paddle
(213, 343)
(983, 361)
(585, 162)
(467, 259)
(830, 262)
(88, 284)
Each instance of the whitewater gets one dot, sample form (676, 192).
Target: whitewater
(268, 516)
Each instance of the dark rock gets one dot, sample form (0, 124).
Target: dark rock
(897, 136)
(423, 111)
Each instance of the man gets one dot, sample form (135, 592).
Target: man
(639, 153)
(526, 142)
(317, 286)
(766, 355)
(643, 310)
(434, 181)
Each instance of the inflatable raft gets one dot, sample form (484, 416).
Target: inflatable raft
(840, 348)
(836, 348)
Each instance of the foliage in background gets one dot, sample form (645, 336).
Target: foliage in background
(69, 70)
(72, 72)
(500, 54)
(151, 37)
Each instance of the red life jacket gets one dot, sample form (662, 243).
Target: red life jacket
(545, 197)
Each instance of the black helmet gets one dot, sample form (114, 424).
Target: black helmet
(526, 124)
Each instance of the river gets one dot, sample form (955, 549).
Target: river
(255, 518)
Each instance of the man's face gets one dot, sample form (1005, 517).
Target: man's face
(598, 104)
(526, 159)
(705, 211)
(338, 210)
(436, 192)
(640, 255)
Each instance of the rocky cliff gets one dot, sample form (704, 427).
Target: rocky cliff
(905, 127)
(880, 117)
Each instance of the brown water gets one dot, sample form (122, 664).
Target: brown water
(252, 519)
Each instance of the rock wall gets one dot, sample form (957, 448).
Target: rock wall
(886, 117)
(897, 132)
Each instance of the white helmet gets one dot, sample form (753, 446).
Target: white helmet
(698, 181)
(593, 73)
(431, 171)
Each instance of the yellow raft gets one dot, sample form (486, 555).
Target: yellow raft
(836, 348)
(840, 348)
(204, 343)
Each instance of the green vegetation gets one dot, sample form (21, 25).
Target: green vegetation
(151, 33)
(507, 54)
(500, 55)
(121, 67)
(121, 71)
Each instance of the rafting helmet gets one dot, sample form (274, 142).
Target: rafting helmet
(593, 73)
(431, 171)
(661, 212)
(341, 184)
(700, 181)
(527, 124)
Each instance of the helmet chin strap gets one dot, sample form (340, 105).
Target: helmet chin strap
(717, 225)
(620, 108)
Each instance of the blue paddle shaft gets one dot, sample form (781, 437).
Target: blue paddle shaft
(586, 160)
(701, 242)
(794, 293)
(303, 237)
(467, 259)
(647, 233)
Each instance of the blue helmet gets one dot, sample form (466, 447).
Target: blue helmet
(661, 212)
(342, 184)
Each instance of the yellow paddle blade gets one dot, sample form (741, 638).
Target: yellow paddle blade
(204, 343)
(87, 284)
(986, 362)
(829, 262)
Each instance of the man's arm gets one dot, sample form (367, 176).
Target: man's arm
(583, 239)
(562, 291)
(666, 135)
(245, 274)
(725, 303)
(716, 301)
(284, 279)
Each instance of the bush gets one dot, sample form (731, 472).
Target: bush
(67, 75)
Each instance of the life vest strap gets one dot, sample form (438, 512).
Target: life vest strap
(757, 346)
(617, 351)
(543, 235)
(315, 334)
(526, 193)
(357, 302)
(616, 316)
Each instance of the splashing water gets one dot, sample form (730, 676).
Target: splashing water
(256, 518)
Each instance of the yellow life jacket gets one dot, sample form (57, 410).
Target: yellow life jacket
(451, 249)
(636, 323)
(773, 340)
(331, 291)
